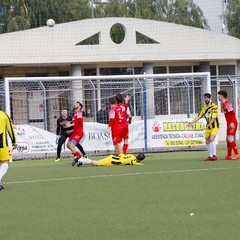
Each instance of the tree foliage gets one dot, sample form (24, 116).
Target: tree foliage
(178, 11)
(232, 18)
(24, 14)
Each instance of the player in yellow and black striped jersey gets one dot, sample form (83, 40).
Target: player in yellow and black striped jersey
(113, 160)
(6, 126)
(210, 112)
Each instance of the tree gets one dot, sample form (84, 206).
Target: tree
(24, 14)
(232, 18)
(17, 16)
(184, 12)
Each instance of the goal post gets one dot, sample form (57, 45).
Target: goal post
(156, 100)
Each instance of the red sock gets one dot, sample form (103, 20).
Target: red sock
(125, 148)
(77, 154)
(229, 149)
(234, 147)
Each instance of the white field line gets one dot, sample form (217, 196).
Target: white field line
(124, 174)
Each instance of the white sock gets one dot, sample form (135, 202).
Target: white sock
(209, 149)
(214, 148)
(85, 161)
(3, 170)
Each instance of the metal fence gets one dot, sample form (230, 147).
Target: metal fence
(38, 101)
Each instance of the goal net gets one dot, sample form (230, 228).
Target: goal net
(160, 104)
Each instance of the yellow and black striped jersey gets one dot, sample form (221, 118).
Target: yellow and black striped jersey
(122, 159)
(209, 112)
(6, 127)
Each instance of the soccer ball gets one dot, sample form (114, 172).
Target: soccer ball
(50, 22)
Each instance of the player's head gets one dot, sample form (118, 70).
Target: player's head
(207, 98)
(78, 106)
(140, 157)
(112, 100)
(222, 95)
(119, 98)
(64, 113)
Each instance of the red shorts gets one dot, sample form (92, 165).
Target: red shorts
(76, 137)
(119, 133)
(231, 131)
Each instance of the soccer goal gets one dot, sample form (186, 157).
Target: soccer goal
(160, 104)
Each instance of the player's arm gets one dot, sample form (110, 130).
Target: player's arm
(129, 115)
(111, 119)
(11, 131)
(58, 128)
(197, 118)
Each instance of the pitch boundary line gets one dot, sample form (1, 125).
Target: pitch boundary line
(123, 174)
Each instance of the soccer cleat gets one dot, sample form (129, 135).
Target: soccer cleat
(86, 156)
(57, 160)
(1, 186)
(75, 160)
(237, 156)
(79, 164)
(215, 157)
(228, 158)
(209, 159)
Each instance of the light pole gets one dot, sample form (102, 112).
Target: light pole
(92, 8)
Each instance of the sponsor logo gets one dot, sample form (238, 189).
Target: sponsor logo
(156, 126)
(182, 126)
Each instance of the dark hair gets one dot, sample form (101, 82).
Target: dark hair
(119, 98)
(112, 100)
(208, 95)
(140, 157)
(80, 104)
(223, 93)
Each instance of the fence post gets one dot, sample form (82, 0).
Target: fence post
(188, 98)
(145, 116)
(94, 101)
(233, 91)
(45, 105)
(7, 96)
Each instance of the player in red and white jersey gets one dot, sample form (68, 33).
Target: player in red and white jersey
(77, 135)
(127, 119)
(232, 125)
(115, 120)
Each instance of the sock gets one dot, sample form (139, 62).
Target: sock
(234, 147)
(229, 149)
(3, 170)
(209, 149)
(214, 148)
(79, 146)
(85, 161)
(125, 148)
(77, 154)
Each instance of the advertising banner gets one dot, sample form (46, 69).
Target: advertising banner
(160, 133)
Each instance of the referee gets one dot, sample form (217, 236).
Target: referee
(63, 132)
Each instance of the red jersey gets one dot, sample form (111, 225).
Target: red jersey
(115, 116)
(125, 112)
(78, 121)
(229, 113)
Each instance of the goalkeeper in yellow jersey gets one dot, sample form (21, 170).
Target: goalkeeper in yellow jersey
(114, 160)
(5, 153)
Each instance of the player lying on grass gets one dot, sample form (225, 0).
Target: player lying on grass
(210, 112)
(113, 160)
(232, 125)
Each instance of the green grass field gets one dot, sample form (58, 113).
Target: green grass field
(45, 200)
